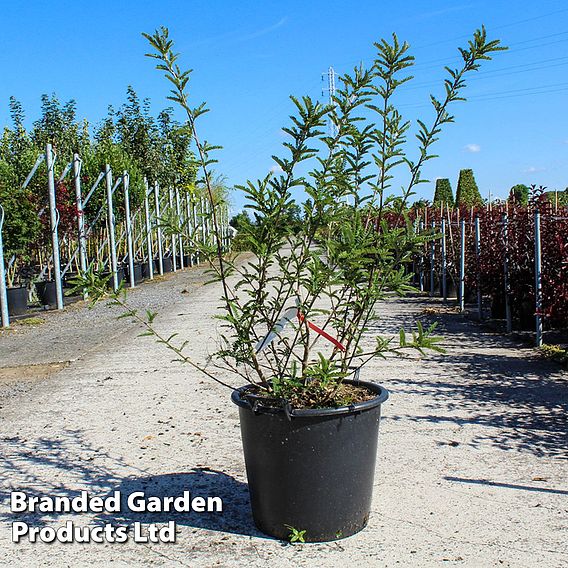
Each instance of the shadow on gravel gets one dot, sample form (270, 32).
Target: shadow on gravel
(507, 485)
(235, 518)
(521, 401)
(48, 467)
(67, 465)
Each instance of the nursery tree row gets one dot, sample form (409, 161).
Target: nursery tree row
(128, 139)
(506, 239)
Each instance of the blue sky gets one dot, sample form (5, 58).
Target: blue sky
(248, 57)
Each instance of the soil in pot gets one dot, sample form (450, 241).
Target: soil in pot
(17, 300)
(311, 469)
(47, 293)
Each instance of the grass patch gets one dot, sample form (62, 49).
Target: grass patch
(31, 321)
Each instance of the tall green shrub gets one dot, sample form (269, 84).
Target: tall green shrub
(443, 193)
(519, 194)
(467, 193)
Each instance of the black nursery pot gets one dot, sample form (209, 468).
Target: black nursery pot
(310, 469)
(146, 269)
(498, 306)
(451, 289)
(68, 279)
(167, 264)
(47, 293)
(17, 300)
(138, 272)
(119, 274)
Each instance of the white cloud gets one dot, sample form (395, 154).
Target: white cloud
(533, 170)
(264, 31)
(237, 36)
(473, 148)
(443, 12)
(276, 169)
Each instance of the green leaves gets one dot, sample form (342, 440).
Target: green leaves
(296, 535)
(350, 247)
(92, 283)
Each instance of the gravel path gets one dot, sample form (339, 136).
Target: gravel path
(473, 449)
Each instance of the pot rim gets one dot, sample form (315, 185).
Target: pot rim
(382, 396)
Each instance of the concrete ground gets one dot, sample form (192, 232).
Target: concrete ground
(472, 466)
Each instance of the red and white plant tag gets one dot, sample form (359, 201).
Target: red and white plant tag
(288, 316)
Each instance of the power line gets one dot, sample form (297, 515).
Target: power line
(540, 90)
(503, 71)
(426, 64)
(509, 25)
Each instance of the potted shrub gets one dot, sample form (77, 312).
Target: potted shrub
(18, 221)
(16, 289)
(46, 292)
(298, 315)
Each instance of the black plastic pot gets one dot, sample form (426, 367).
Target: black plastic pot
(310, 469)
(146, 270)
(167, 264)
(47, 293)
(451, 289)
(119, 273)
(138, 272)
(67, 279)
(17, 300)
(471, 296)
(524, 314)
(498, 306)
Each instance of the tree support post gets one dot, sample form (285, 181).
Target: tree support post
(478, 264)
(111, 235)
(444, 283)
(149, 248)
(462, 266)
(81, 236)
(54, 221)
(421, 259)
(538, 278)
(159, 229)
(180, 226)
(173, 237)
(432, 260)
(190, 229)
(129, 244)
(508, 314)
(3, 293)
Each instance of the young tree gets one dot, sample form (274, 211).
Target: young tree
(467, 193)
